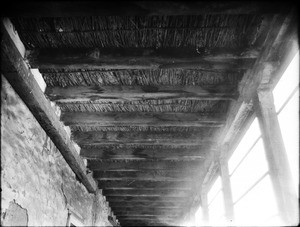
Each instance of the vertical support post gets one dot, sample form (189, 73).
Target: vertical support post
(205, 214)
(226, 188)
(280, 172)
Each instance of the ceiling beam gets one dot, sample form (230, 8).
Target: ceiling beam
(95, 137)
(146, 193)
(97, 59)
(139, 93)
(183, 154)
(140, 8)
(141, 119)
(158, 201)
(144, 165)
(16, 71)
(143, 184)
(145, 209)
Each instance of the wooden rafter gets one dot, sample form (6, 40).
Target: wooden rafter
(140, 119)
(20, 77)
(137, 93)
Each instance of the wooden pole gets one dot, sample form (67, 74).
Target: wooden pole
(276, 156)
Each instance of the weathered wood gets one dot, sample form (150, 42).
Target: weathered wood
(146, 193)
(124, 216)
(118, 210)
(276, 157)
(158, 200)
(149, 222)
(96, 137)
(21, 79)
(150, 204)
(87, 59)
(184, 154)
(141, 119)
(226, 189)
(144, 165)
(144, 55)
(109, 184)
(146, 217)
(144, 176)
(140, 8)
(137, 93)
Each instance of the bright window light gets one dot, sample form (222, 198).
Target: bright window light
(216, 209)
(251, 169)
(287, 83)
(216, 202)
(258, 207)
(248, 140)
(286, 100)
(214, 190)
(289, 124)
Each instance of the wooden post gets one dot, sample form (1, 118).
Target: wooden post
(226, 188)
(276, 156)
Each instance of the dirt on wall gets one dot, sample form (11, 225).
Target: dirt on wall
(35, 176)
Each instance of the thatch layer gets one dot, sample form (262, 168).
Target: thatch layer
(137, 31)
(185, 106)
(84, 128)
(146, 77)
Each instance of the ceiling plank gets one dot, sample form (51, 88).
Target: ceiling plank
(143, 184)
(141, 119)
(144, 165)
(158, 201)
(143, 154)
(141, 8)
(146, 193)
(137, 93)
(151, 175)
(94, 59)
(145, 209)
(18, 74)
(95, 137)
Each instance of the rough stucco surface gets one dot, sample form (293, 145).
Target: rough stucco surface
(34, 174)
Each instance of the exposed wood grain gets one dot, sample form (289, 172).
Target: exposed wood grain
(136, 93)
(145, 209)
(94, 138)
(87, 59)
(127, 175)
(146, 216)
(144, 165)
(280, 172)
(24, 83)
(149, 204)
(146, 193)
(141, 8)
(143, 154)
(143, 184)
(146, 55)
(141, 119)
(157, 201)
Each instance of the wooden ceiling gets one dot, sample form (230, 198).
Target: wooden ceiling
(146, 90)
